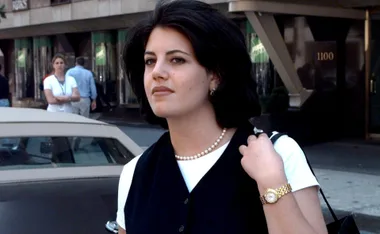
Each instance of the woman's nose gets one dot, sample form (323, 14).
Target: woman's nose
(160, 71)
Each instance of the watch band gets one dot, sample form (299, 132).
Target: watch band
(279, 192)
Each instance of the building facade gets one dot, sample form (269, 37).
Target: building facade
(316, 65)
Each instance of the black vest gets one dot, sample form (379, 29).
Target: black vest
(226, 200)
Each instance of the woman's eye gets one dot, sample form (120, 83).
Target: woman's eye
(149, 61)
(178, 60)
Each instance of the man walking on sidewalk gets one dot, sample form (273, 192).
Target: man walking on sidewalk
(4, 91)
(86, 87)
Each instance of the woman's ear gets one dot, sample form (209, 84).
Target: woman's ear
(214, 81)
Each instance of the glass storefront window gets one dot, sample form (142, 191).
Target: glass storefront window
(126, 95)
(24, 68)
(273, 95)
(315, 60)
(261, 63)
(105, 68)
(328, 57)
(42, 48)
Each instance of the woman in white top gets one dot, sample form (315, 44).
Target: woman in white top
(193, 75)
(59, 90)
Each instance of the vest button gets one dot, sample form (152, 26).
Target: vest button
(181, 228)
(186, 201)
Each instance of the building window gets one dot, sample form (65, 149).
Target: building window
(19, 5)
(24, 68)
(272, 92)
(56, 2)
(105, 68)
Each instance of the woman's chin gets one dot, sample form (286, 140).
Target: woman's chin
(164, 112)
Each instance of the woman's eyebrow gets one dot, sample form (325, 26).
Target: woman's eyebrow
(168, 53)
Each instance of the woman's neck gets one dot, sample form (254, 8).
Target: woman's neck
(196, 132)
(60, 75)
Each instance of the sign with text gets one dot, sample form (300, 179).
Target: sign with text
(323, 52)
(325, 56)
(320, 69)
(20, 5)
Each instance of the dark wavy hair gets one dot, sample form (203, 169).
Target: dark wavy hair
(219, 46)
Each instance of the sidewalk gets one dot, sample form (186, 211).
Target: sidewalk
(352, 193)
(349, 174)
(353, 156)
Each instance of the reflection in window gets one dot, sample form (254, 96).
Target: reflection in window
(27, 152)
(42, 51)
(126, 95)
(24, 68)
(314, 54)
(261, 65)
(105, 68)
(263, 70)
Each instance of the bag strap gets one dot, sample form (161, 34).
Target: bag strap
(274, 137)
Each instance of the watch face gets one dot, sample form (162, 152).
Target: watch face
(271, 197)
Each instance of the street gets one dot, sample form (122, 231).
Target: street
(143, 136)
(350, 183)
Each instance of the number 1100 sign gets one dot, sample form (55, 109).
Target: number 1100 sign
(325, 56)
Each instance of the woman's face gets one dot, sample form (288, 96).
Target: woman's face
(59, 65)
(175, 83)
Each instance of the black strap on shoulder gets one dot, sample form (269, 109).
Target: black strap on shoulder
(274, 137)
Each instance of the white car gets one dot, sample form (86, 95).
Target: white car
(59, 172)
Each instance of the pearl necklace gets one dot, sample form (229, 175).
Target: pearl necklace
(203, 153)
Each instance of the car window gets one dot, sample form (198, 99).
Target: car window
(32, 152)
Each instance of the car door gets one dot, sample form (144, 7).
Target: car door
(62, 184)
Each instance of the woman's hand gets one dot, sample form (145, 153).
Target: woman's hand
(62, 99)
(262, 163)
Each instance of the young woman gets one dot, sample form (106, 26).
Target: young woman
(190, 69)
(59, 90)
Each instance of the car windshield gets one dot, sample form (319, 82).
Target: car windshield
(37, 152)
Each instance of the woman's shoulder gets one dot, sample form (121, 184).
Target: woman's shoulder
(285, 143)
(49, 78)
(296, 166)
(129, 169)
(288, 148)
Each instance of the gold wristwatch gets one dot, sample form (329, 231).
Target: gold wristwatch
(271, 196)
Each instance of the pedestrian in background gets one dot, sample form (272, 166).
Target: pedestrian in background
(86, 87)
(60, 90)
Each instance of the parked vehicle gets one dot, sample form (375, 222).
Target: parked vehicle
(59, 172)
